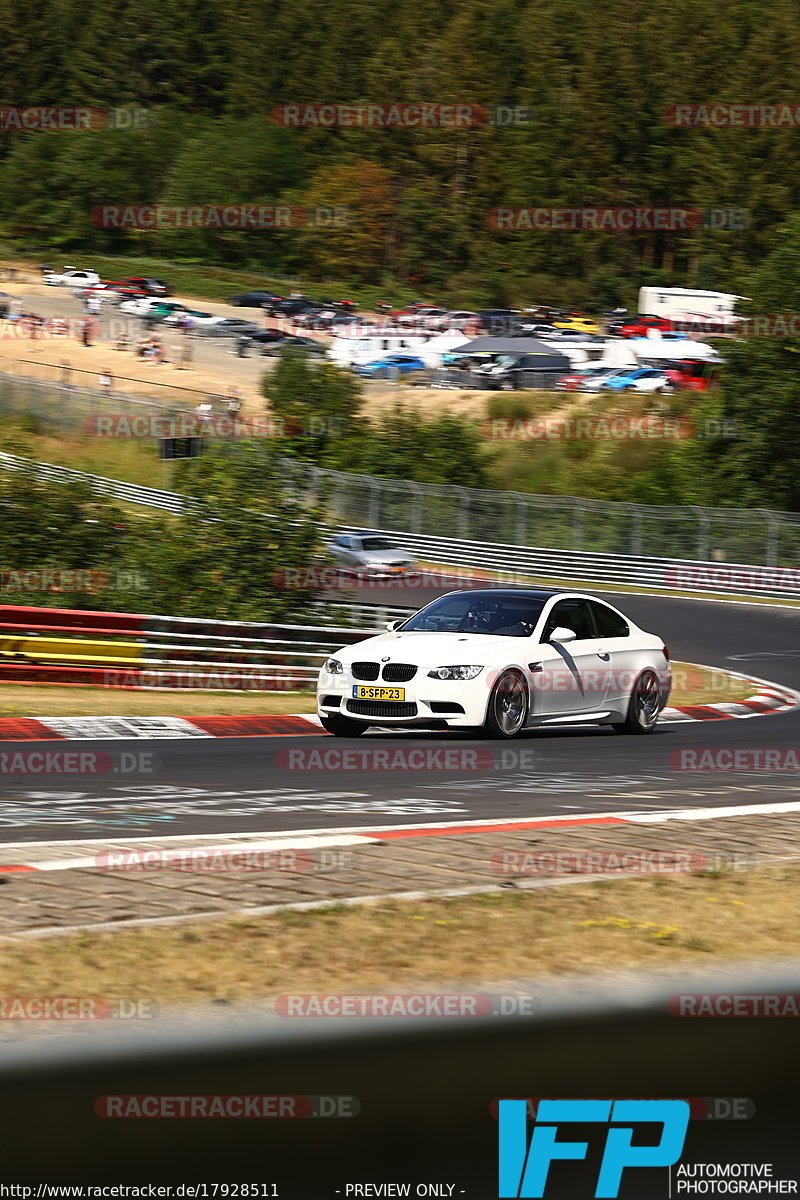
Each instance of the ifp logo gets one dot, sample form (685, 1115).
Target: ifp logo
(524, 1169)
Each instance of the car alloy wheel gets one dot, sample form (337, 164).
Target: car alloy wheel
(643, 707)
(508, 706)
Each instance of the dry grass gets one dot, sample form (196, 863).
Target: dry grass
(32, 700)
(649, 923)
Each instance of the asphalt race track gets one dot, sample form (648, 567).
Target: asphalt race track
(237, 785)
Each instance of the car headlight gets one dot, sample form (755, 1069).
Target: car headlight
(334, 667)
(454, 672)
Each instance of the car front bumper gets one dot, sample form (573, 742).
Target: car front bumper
(427, 696)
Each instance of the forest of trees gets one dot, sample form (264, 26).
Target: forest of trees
(596, 78)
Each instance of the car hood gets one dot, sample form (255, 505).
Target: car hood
(436, 649)
(385, 557)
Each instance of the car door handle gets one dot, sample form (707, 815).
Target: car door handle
(535, 666)
(604, 655)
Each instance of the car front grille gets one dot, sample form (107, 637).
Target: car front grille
(366, 670)
(399, 672)
(381, 708)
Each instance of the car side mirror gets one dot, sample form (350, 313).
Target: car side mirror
(560, 634)
(392, 625)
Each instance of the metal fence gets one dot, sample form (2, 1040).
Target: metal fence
(515, 561)
(684, 532)
(735, 535)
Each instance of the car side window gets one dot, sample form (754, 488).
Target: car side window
(609, 623)
(570, 614)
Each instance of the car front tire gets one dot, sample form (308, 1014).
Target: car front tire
(343, 726)
(643, 706)
(507, 710)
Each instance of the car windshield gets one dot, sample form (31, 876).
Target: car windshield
(466, 612)
(377, 543)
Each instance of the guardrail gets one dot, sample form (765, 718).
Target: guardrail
(136, 651)
(520, 562)
(117, 489)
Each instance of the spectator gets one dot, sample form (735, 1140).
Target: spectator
(186, 357)
(234, 404)
(105, 381)
(241, 346)
(86, 331)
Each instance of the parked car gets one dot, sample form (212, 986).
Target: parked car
(319, 318)
(304, 345)
(71, 277)
(254, 299)
(585, 378)
(370, 552)
(596, 383)
(500, 660)
(265, 336)
(149, 306)
(643, 379)
(498, 320)
(290, 307)
(639, 326)
(146, 283)
(579, 324)
(227, 327)
(114, 291)
(200, 320)
(386, 368)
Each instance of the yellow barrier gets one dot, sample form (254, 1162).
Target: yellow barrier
(68, 650)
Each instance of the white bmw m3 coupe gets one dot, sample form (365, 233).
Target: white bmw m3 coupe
(500, 660)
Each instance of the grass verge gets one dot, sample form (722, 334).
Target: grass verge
(692, 685)
(661, 922)
(33, 700)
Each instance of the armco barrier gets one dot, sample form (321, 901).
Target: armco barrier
(665, 574)
(126, 650)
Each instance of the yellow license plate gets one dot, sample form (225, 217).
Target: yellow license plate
(378, 693)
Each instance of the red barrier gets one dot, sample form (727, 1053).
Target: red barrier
(18, 616)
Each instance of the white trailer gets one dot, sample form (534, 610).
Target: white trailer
(682, 302)
(367, 347)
